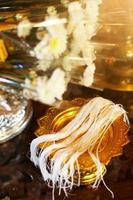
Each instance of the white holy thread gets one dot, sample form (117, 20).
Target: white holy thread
(97, 163)
(68, 129)
(79, 136)
(44, 171)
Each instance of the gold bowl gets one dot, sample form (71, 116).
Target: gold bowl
(111, 145)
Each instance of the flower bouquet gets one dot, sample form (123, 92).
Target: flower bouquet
(55, 42)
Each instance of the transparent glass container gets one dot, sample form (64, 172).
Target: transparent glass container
(46, 36)
(102, 60)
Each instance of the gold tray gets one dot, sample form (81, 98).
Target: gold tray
(111, 146)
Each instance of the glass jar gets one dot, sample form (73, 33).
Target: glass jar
(45, 36)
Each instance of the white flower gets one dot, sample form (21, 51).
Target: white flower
(44, 64)
(88, 75)
(72, 61)
(58, 38)
(24, 28)
(46, 90)
(67, 64)
(91, 17)
(57, 46)
(76, 15)
(41, 50)
(57, 84)
(58, 29)
(83, 26)
(54, 42)
(75, 12)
